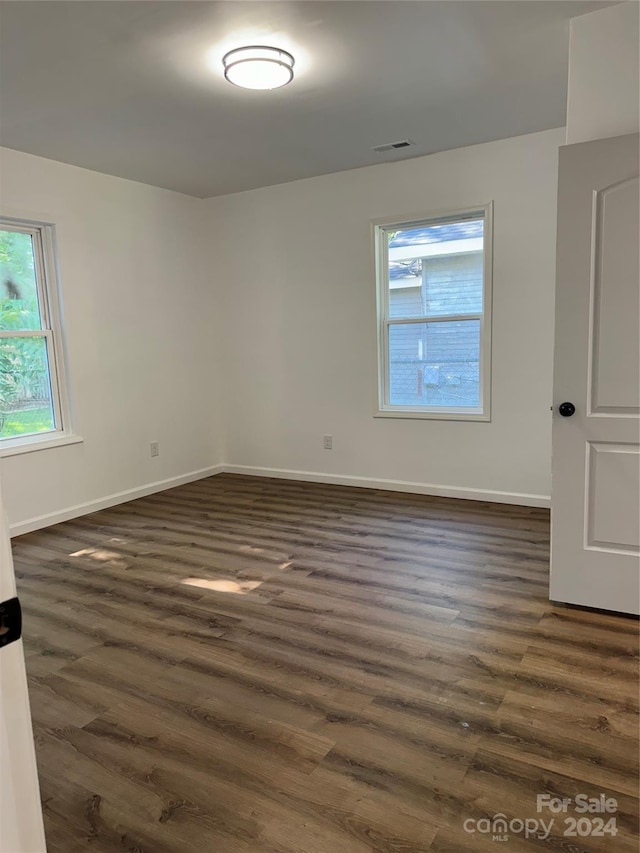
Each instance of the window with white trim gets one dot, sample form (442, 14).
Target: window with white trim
(32, 406)
(434, 315)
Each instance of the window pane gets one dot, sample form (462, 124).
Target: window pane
(19, 308)
(25, 387)
(436, 269)
(453, 285)
(435, 364)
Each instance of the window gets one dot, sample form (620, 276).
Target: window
(434, 304)
(31, 405)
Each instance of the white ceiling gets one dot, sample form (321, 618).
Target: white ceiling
(125, 87)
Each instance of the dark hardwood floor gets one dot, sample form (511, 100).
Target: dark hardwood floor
(243, 665)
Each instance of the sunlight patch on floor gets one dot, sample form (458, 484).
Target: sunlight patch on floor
(102, 555)
(96, 554)
(250, 549)
(223, 585)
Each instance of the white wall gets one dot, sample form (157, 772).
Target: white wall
(276, 285)
(604, 67)
(140, 332)
(295, 282)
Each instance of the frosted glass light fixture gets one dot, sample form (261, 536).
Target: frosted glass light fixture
(258, 67)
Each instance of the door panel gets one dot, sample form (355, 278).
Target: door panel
(612, 469)
(595, 543)
(615, 344)
(21, 827)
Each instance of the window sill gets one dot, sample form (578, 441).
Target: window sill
(15, 446)
(433, 416)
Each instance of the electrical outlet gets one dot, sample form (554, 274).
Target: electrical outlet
(155, 448)
(328, 442)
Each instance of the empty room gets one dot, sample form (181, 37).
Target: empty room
(319, 426)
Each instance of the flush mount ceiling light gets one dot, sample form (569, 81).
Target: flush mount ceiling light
(258, 67)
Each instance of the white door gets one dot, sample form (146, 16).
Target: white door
(21, 829)
(595, 538)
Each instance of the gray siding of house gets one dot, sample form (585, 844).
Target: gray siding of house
(437, 363)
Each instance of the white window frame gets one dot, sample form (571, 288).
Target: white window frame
(44, 252)
(452, 413)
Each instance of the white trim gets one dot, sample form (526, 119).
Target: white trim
(433, 414)
(48, 289)
(53, 293)
(440, 318)
(517, 498)
(413, 219)
(490, 495)
(36, 441)
(40, 521)
(379, 227)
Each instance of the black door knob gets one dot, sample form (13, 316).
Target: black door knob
(566, 409)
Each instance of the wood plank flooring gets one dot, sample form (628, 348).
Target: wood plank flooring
(243, 665)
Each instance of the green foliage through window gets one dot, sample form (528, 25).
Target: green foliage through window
(25, 386)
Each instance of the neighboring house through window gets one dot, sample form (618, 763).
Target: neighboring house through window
(32, 399)
(434, 315)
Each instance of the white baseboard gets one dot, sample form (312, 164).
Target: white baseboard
(111, 500)
(517, 498)
(283, 474)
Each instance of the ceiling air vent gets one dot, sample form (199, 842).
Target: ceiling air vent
(393, 146)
